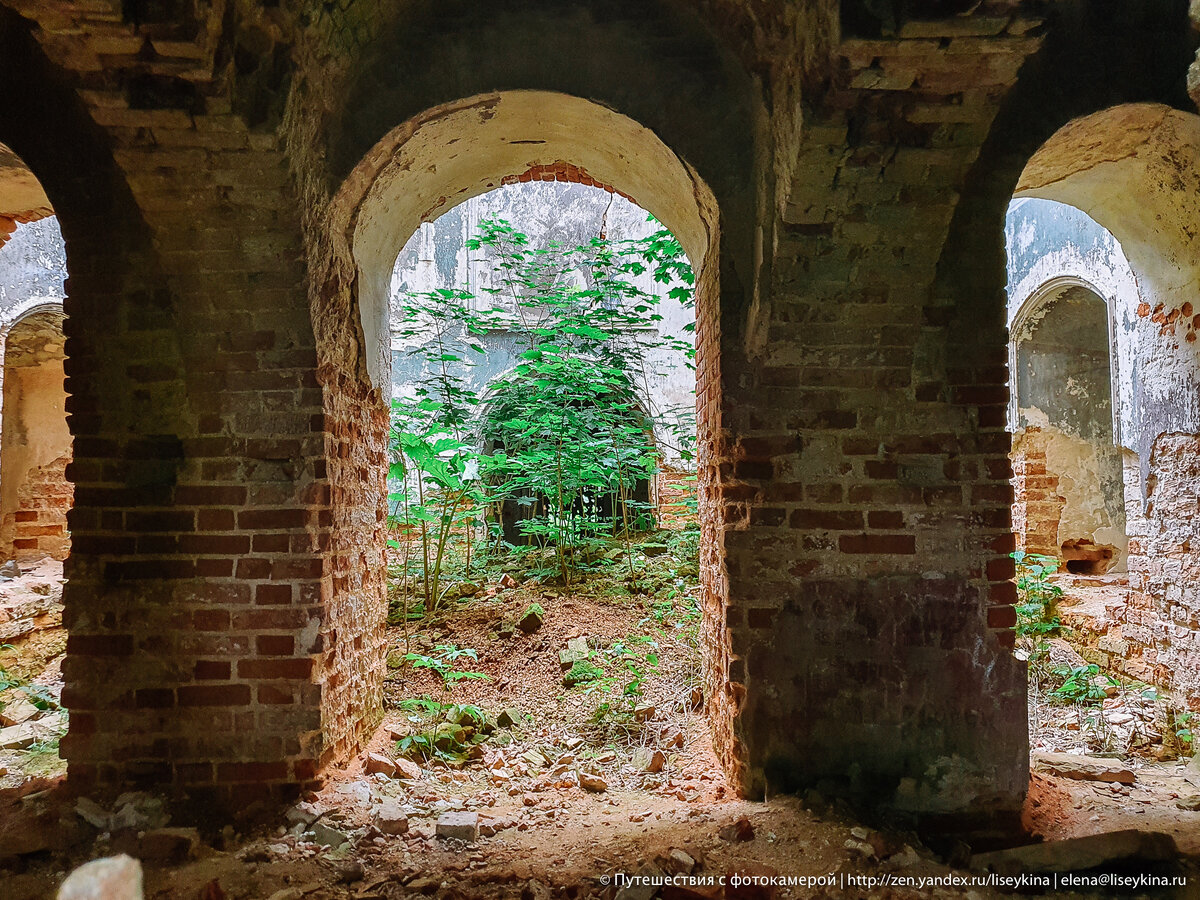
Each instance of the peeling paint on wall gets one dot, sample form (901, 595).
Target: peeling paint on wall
(1063, 393)
(1075, 461)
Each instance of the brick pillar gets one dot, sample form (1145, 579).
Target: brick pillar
(870, 592)
(202, 650)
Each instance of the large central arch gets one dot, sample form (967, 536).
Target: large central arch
(464, 148)
(641, 97)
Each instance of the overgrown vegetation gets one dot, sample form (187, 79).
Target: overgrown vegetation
(1082, 685)
(554, 455)
(622, 690)
(41, 757)
(1037, 602)
(444, 730)
(442, 663)
(36, 694)
(539, 479)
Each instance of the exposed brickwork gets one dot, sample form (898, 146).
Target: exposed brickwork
(226, 580)
(1161, 632)
(674, 496)
(724, 679)
(201, 494)
(1037, 505)
(236, 528)
(564, 172)
(39, 523)
(880, 459)
(1146, 625)
(9, 223)
(357, 423)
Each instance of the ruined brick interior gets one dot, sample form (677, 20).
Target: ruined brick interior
(1103, 337)
(230, 182)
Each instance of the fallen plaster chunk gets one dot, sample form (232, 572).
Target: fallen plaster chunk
(110, 878)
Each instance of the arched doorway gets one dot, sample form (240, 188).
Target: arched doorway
(35, 444)
(35, 449)
(1070, 501)
(1103, 410)
(464, 148)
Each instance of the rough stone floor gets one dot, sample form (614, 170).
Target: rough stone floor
(533, 789)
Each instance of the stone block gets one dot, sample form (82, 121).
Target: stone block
(462, 826)
(390, 818)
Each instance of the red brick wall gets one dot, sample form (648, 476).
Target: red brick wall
(39, 523)
(674, 496)
(1037, 505)
(865, 479)
(724, 678)
(197, 582)
(355, 592)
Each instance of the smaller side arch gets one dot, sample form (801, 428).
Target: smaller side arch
(1069, 488)
(1022, 321)
(30, 307)
(35, 442)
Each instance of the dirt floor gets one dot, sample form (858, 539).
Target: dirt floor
(565, 790)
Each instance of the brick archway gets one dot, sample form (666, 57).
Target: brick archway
(657, 66)
(461, 149)
(1132, 169)
(226, 580)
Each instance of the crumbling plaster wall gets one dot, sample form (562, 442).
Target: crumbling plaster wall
(1067, 279)
(33, 267)
(1144, 189)
(35, 444)
(1051, 247)
(1143, 186)
(34, 491)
